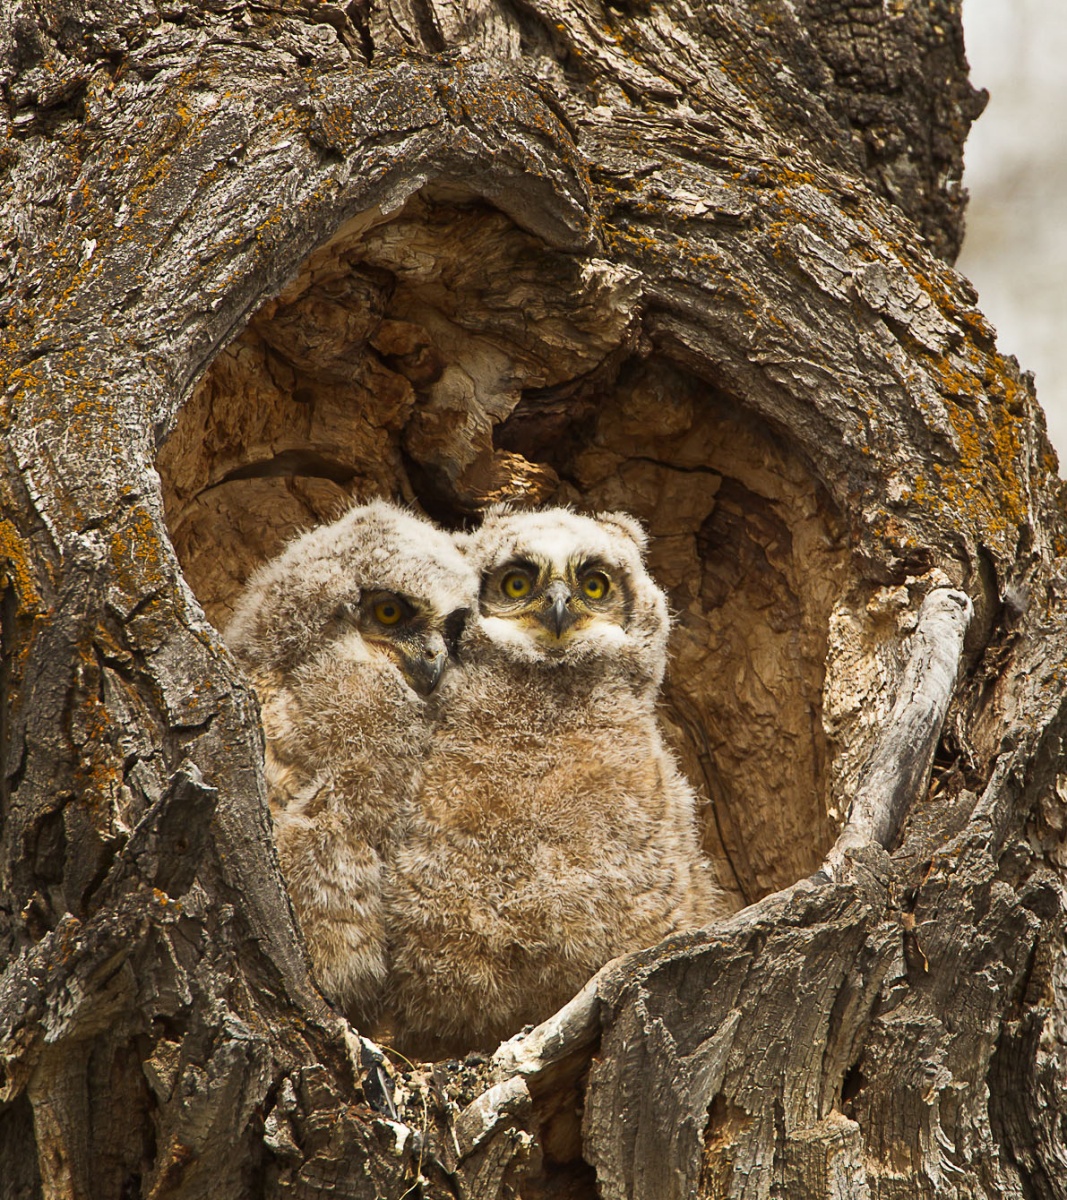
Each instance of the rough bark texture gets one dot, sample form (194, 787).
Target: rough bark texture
(260, 258)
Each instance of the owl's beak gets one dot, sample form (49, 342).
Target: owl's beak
(425, 665)
(558, 616)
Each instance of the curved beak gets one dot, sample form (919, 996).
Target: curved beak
(426, 663)
(557, 617)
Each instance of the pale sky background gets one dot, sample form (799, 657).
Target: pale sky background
(1015, 249)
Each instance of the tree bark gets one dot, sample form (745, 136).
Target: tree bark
(259, 259)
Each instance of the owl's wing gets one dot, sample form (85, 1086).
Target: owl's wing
(284, 769)
(335, 879)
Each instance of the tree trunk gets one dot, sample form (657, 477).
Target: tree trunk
(263, 258)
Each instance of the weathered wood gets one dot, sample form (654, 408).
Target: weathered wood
(256, 260)
(898, 770)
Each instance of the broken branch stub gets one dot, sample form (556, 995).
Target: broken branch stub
(899, 767)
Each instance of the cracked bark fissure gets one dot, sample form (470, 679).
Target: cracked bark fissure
(258, 258)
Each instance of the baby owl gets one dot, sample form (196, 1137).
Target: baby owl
(345, 635)
(553, 828)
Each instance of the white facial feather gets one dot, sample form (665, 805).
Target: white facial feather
(559, 536)
(602, 637)
(556, 534)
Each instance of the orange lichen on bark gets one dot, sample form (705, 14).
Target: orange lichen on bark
(16, 569)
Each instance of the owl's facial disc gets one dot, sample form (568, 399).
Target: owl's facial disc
(555, 603)
(409, 635)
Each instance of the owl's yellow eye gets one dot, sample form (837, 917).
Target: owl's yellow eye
(516, 585)
(595, 587)
(387, 612)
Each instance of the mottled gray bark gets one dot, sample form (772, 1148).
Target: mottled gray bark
(261, 258)
(899, 764)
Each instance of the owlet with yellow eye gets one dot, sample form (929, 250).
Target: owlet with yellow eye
(346, 635)
(554, 830)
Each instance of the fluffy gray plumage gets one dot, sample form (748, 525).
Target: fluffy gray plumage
(554, 830)
(345, 634)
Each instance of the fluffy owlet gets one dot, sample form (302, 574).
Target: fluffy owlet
(554, 829)
(345, 635)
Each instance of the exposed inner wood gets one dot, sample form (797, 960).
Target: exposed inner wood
(446, 357)
(899, 770)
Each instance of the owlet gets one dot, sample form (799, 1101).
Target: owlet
(553, 829)
(345, 636)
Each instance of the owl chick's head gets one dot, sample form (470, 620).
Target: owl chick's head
(558, 587)
(380, 577)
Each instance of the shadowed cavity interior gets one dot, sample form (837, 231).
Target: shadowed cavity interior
(446, 357)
